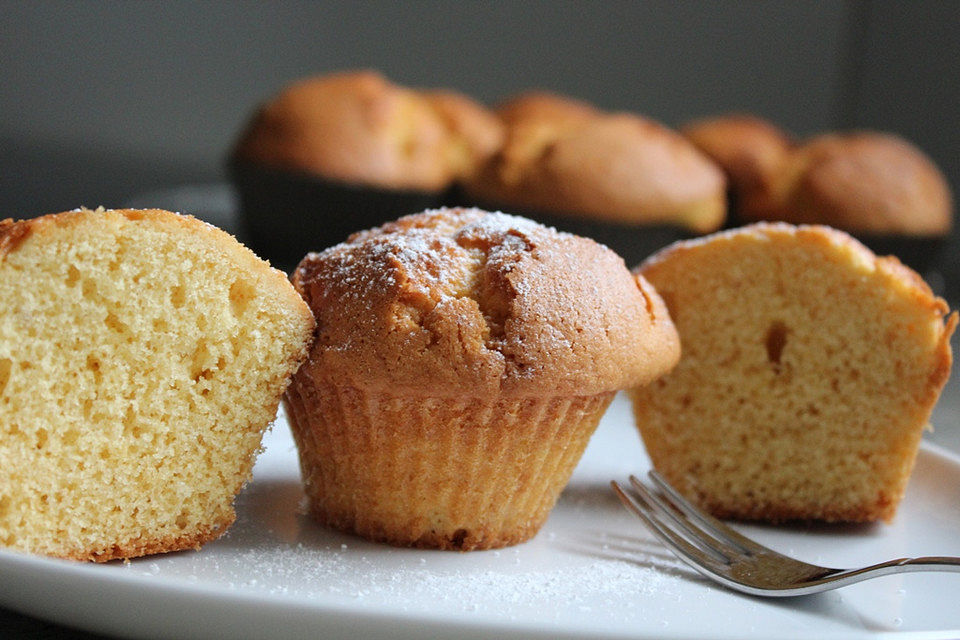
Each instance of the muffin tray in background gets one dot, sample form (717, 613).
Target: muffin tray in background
(285, 236)
(593, 571)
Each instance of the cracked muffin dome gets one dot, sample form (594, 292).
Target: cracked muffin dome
(810, 368)
(453, 301)
(142, 355)
(462, 361)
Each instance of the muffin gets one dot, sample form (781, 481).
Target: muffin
(876, 186)
(142, 355)
(866, 182)
(750, 151)
(810, 368)
(475, 132)
(458, 372)
(532, 121)
(335, 153)
(622, 179)
(543, 108)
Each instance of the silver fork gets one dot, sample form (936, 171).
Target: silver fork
(737, 562)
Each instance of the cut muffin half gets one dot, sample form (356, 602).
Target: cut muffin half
(809, 370)
(142, 355)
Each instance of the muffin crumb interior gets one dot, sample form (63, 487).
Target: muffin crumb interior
(138, 368)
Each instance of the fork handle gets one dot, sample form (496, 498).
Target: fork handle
(927, 563)
(900, 565)
(843, 577)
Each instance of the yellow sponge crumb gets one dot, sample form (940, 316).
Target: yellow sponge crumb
(809, 370)
(142, 355)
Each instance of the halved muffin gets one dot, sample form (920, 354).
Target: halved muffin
(810, 368)
(142, 355)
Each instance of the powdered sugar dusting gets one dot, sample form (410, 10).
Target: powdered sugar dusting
(592, 560)
(509, 583)
(435, 253)
(299, 570)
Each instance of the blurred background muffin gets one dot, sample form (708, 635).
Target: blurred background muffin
(336, 153)
(750, 151)
(874, 185)
(80, 123)
(869, 182)
(620, 178)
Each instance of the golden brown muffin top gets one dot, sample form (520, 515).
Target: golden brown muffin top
(544, 106)
(534, 120)
(867, 181)
(457, 301)
(614, 167)
(360, 128)
(839, 244)
(565, 156)
(475, 132)
(748, 148)
(14, 232)
(864, 181)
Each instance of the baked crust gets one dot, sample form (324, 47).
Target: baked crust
(14, 232)
(869, 182)
(750, 150)
(459, 301)
(861, 181)
(475, 132)
(359, 128)
(564, 156)
(147, 546)
(544, 107)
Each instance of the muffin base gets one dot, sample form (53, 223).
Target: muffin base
(440, 473)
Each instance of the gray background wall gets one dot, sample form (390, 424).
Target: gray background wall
(101, 101)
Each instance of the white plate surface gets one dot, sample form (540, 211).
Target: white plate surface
(591, 572)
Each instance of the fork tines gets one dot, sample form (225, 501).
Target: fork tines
(696, 537)
(721, 554)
